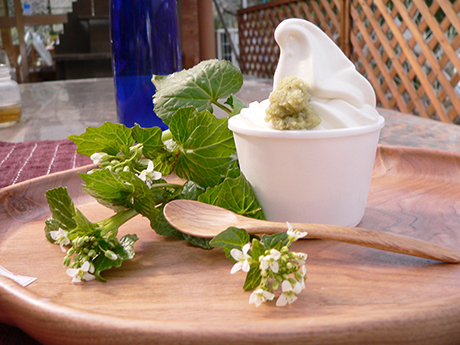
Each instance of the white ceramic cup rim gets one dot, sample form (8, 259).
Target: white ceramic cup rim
(237, 125)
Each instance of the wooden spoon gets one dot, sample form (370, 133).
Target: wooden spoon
(204, 220)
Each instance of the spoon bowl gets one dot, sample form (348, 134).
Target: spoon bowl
(204, 220)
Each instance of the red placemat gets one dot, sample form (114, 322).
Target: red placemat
(23, 161)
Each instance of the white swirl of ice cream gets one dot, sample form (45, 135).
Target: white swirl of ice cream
(342, 97)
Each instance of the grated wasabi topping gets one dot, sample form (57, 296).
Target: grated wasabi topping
(290, 107)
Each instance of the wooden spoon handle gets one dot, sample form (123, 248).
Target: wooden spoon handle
(376, 239)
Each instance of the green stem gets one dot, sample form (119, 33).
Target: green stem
(113, 223)
(221, 106)
(166, 185)
(134, 156)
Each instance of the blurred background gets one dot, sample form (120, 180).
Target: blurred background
(70, 39)
(408, 49)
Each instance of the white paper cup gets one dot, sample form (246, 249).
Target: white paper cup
(309, 176)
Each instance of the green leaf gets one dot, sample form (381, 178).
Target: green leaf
(150, 138)
(276, 241)
(124, 250)
(162, 227)
(84, 226)
(164, 161)
(146, 199)
(127, 243)
(234, 194)
(257, 249)
(109, 138)
(102, 263)
(199, 86)
(229, 239)
(110, 189)
(233, 170)
(236, 104)
(198, 241)
(253, 278)
(206, 144)
(62, 208)
(191, 191)
(51, 225)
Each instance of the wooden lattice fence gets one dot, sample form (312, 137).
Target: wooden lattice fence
(408, 49)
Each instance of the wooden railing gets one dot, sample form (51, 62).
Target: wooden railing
(20, 21)
(408, 49)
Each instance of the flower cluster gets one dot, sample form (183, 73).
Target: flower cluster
(83, 251)
(131, 162)
(276, 267)
(89, 248)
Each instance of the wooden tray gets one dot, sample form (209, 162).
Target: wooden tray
(173, 293)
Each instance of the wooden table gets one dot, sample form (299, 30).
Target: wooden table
(400, 129)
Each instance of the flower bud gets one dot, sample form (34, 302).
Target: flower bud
(298, 276)
(276, 285)
(67, 260)
(111, 255)
(138, 152)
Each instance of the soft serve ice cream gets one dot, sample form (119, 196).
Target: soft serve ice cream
(322, 174)
(341, 96)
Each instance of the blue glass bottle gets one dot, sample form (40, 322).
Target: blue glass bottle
(145, 41)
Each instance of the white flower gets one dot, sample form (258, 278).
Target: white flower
(294, 235)
(260, 296)
(271, 260)
(81, 273)
(299, 258)
(242, 258)
(303, 276)
(289, 294)
(148, 175)
(97, 157)
(170, 145)
(60, 237)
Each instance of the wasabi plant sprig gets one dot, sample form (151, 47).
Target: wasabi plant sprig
(131, 179)
(132, 163)
(268, 263)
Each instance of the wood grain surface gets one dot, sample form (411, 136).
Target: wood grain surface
(173, 293)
